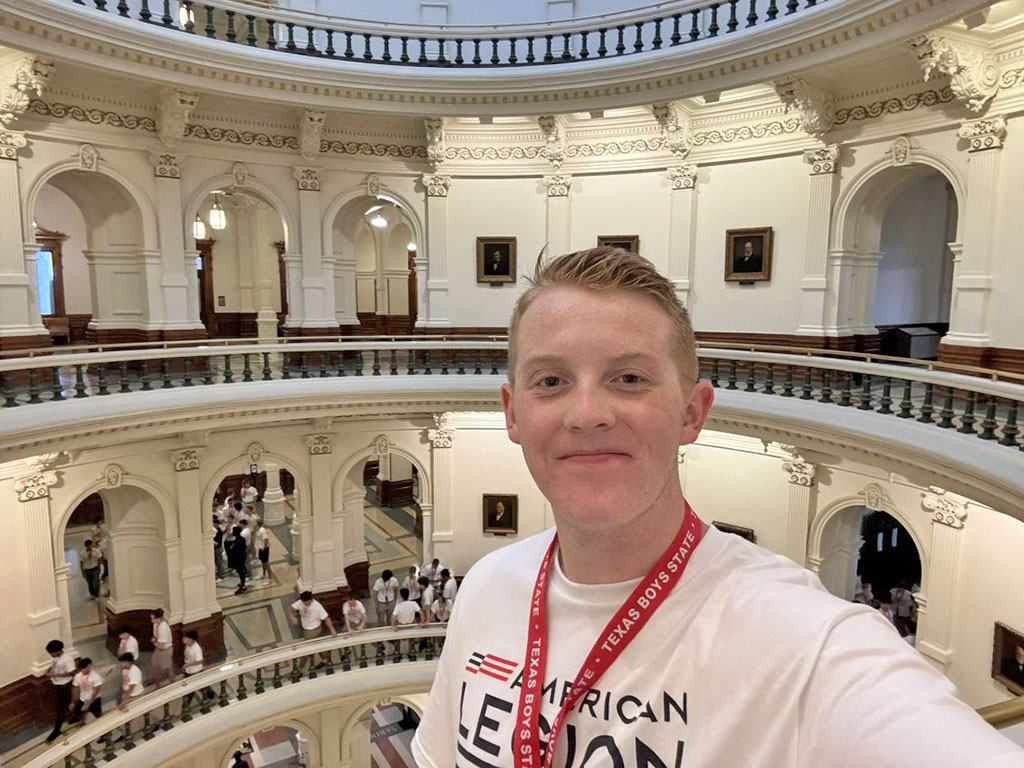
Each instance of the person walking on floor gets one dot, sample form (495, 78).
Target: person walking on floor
(261, 541)
(193, 657)
(60, 672)
(162, 665)
(90, 560)
(126, 643)
(131, 681)
(238, 557)
(85, 692)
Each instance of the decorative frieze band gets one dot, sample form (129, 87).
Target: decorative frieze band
(437, 186)
(983, 134)
(822, 161)
(308, 179)
(319, 445)
(36, 486)
(187, 459)
(947, 509)
(557, 186)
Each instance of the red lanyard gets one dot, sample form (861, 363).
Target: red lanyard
(617, 634)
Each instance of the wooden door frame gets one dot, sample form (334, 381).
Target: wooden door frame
(208, 304)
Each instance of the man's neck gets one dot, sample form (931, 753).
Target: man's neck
(619, 554)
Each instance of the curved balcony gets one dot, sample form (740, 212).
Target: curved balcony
(272, 682)
(661, 52)
(956, 424)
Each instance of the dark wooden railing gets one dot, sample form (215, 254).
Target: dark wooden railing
(498, 46)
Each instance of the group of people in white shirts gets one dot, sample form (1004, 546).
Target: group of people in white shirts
(426, 594)
(241, 539)
(77, 684)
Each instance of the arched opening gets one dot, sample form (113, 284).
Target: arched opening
(381, 737)
(242, 282)
(374, 246)
(90, 271)
(278, 746)
(88, 577)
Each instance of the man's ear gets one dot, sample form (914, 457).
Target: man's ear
(510, 413)
(700, 399)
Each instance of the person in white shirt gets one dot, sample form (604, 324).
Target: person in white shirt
(354, 613)
(85, 691)
(90, 560)
(162, 664)
(451, 587)
(903, 606)
(131, 681)
(193, 660)
(426, 599)
(405, 611)
(310, 614)
(411, 582)
(863, 594)
(249, 493)
(261, 543)
(60, 672)
(441, 609)
(433, 572)
(384, 590)
(246, 534)
(126, 643)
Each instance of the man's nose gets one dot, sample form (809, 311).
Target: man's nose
(589, 407)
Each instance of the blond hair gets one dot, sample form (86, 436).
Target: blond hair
(610, 269)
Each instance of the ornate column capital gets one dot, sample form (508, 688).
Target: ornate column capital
(444, 435)
(557, 186)
(800, 472)
(947, 510)
(36, 486)
(822, 161)
(173, 110)
(436, 146)
(187, 459)
(972, 70)
(437, 185)
(167, 165)
(308, 178)
(319, 445)
(683, 176)
(983, 134)
(311, 127)
(815, 105)
(21, 77)
(10, 143)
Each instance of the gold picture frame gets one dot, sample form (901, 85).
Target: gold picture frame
(629, 243)
(501, 513)
(748, 255)
(496, 260)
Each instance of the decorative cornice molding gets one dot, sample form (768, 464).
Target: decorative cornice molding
(36, 486)
(10, 143)
(800, 472)
(308, 179)
(893, 106)
(986, 133)
(319, 445)
(494, 153)
(747, 132)
(947, 510)
(311, 127)
(971, 69)
(92, 116)
(682, 176)
(558, 185)
(437, 186)
(173, 110)
(876, 498)
(20, 78)
(823, 160)
(113, 476)
(553, 128)
(187, 459)
(167, 165)
(816, 106)
(436, 149)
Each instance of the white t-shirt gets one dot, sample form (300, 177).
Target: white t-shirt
(451, 589)
(131, 681)
(247, 535)
(310, 616)
(88, 685)
(354, 612)
(748, 662)
(90, 558)
(162, 633)
(63, 669)
(427, 596)
(411, 583)
(902, 602)
(193, 659)
(405, 612)
(385, 593)
(441, 614)
(432, 573)
(249, 495)
(128, 645)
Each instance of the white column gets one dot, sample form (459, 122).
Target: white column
(355, 532)
(45, 615)
(441, 440)
(682, 228)
(972, 270)
(192, 523)
(421, 262)
(865, 290)
(937, 599)
(427, 512)
(436, 287)
(19, 311)
(273, 497)
(179, 280)
(803, 497)
(558, 218)
(296, 296)
(815, 318)
(317, 312)
(321, 543)
(345, 290)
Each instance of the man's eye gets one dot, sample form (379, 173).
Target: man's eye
(631, 378)
(550, 381)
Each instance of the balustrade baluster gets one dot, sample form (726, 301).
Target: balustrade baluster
(427, 370)
(345, 659)
(926, 407)
(865, 393)
(210, 30)
(122, 9)
(286, 365)
(394, 363)
(967, 419)
(715, 373)
(713, 26)
(229, 376)
(811, 3)
(530, 58)
(310, 47)
(638, 41)
(444, 362)
(322, 364)
(296, 674)
(222, 696)
(792, 6)
(128, 737)
(988, 424)
(494, 362)
(341, 364)
(440, 52)
(329, 50)
(123, 381)
(108, 747)
(731, 378)
(144, 13)
(165, 374)
(232, 36)
(266, 367)
(367, 53)
(312, 668)
(733, 21)
(808, 386)
(276, 680)
(751, 384)
(303, 365)
(656, 42)
(349, 53)
(10, 398)
(405, 50)
(328, 662)
(694, 28)
(167, 20)
(946, 414)
(290, 44)
(362, 656)
(186, 372)
(620, 46)
(56, 390)
(410, 363)
(251, 25)
(101, 379)
(494, 51)
(602, 49)
(101, 5)
(33, 386)
(207, 370)
(1010, 430)
(376, 362)
(189, 14)
(360, 362)
(826, 387)
(148, 729)
(80, 382)
(886, 399)
(548, 58)
(773, 10)
(423, 50)
(476, 53)
(241, 692)
(381, 652)
(787, 384)
(584, 53)
(186, 707)
(459, 60)
(89, 760)
(769, 382)
(906, 405)
(259, 687)
(676, 37)
(271, 40)
(144, 377)
(566, 47)
(167, 722)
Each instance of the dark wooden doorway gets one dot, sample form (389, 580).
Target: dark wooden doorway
(207, 301)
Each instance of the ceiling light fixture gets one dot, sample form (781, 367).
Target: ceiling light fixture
(218, 218)
(199, 228)
(378, 221)
(411, 246)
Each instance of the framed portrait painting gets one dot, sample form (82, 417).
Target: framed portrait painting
(748, 255)
(746, 533)
(501, 513)
(1008, 658)
(495, 259)
(629, 243)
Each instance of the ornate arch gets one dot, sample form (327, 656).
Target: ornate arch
(364, 707)
(254, 184)
(332, 210)
(286, 462)
(296, 725)
(143, 203)
(338, 486)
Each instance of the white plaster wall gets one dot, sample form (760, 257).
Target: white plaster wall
(1007, 320)
(56, 212)
(15, 633)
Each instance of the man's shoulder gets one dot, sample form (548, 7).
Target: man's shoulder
(505, 565)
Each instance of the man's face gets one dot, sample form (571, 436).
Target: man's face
(748, 249)
(1019, 655)
(499, 508)
(599, 406)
